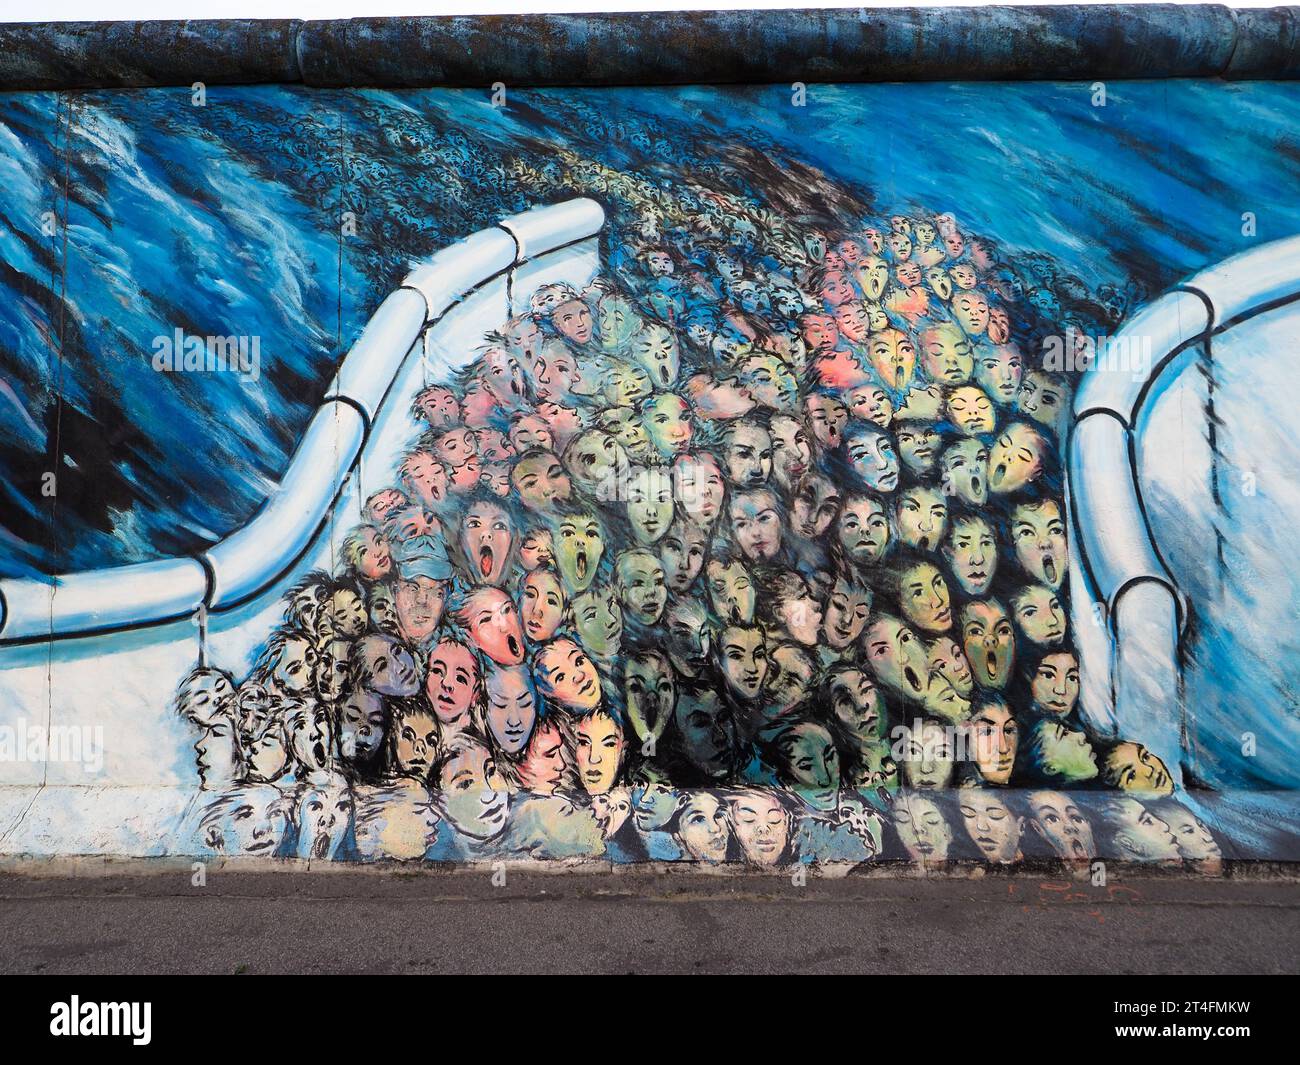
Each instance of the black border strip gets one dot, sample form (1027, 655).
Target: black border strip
(991, 43)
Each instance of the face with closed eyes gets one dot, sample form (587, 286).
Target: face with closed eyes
(1016, 458)
(493, 623)
(541, 605)
(893, 357)
(847, 610)
(651, 693)
(536, 549)
(386, 666)
(922, 517)
(438, 406)
(681, 552)
(762, 826)
(756, 524)
(567, 676)
(511, 708)
(897, 657)
(991, 825)
(625, 426)
(924, 833)
(451, 682)
(965, 467)
(1038, 533)
(864, 529)
(531, 431)
(742, 657)
(853, 321)
(655, 351)
(579, 544)
(971, 311)
(970, 410)
(988, 641)
(947, 355)
(486, 537)
(545, 760)
(731, 590)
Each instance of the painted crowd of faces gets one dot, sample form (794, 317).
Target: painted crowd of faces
(753, 549)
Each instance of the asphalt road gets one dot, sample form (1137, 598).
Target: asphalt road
(459, 922)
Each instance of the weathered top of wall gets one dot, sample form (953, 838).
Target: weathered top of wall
(669, 48)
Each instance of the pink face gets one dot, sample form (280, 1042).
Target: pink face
(908, 274)
(486, 536)
(819, 331)
(573, 321)
(492, 446)
(439, 407)
(465, 478)
(999, 325)
(379, 505)
(563, 422)
(451, 682)
(954, 244)
(493, 622)
(542, 768)
(455, 446)
(425, 477)
(374, 560)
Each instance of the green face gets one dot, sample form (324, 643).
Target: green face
(1066, 753)
(946, 352)
(812, 764)
(579, 545)
(618, 322)
(599, 620)
(1038, 533)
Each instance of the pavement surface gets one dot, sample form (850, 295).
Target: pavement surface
(395, 921)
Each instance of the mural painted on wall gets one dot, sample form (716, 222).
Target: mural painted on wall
(752, 549)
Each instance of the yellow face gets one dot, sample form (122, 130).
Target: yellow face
(893, 355)
(1131, 767)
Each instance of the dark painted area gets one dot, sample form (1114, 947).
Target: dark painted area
(669, 48)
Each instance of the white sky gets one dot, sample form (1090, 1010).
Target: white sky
(97, 10)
